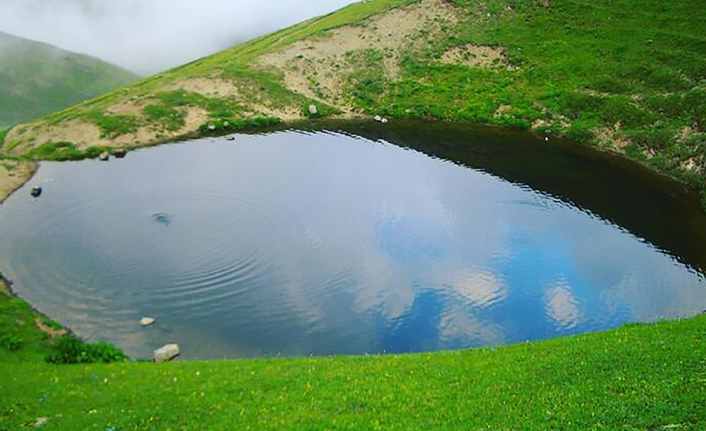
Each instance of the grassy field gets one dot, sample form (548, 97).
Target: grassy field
(639, 377)
(38, 79)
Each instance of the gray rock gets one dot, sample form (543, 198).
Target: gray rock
(378, 118)
(105, 156)
(166, 353)
(120, 153)
(36, 191)
(313, 110)
(147, 321)
(211, 127)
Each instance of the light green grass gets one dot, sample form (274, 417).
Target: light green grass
(639, 377)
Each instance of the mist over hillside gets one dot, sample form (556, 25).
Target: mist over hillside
(37, 78)
(150, 36)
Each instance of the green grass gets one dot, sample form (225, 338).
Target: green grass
(3, 134)
(38, 79)
(639, 377)
(64, 151)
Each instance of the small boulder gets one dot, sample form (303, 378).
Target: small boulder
(120, 153)
(384, 121)
(147, 321)
(211, 127)
(378, 118)
(231, 138)
(41, 422)
(104, 156)
(36, 191)
(166, 353)
(313, 110)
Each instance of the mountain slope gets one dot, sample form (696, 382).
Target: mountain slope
(626, 77)
(37, 78)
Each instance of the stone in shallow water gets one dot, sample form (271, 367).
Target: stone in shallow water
(104, 156)
(36, 191)
(166, 353)
(147, 321)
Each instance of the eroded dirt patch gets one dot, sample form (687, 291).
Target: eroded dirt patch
(52, 332)
(13, 175)
(318, 68)
(212, 87)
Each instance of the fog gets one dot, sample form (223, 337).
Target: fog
(147, 36)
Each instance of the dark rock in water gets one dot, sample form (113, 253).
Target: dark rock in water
(120, 153)
(162, 218)
(104, 156)
(36, 191)
(231, 138)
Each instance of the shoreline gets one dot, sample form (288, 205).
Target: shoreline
(29, 168)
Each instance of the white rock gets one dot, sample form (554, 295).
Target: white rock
(104, 156)
(147, 321)
(384, 121)
(377, 118)
(166, 353)
(313, 110)
(211, 127)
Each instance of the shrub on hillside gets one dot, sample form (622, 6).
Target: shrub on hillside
(71, 350)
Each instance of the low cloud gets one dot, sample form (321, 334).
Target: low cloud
(147, 36)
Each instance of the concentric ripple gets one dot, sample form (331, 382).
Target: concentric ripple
(298, 243)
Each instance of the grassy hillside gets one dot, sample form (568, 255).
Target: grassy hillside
(36, 79)
(624, 76)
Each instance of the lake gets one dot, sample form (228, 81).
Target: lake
(354, 238)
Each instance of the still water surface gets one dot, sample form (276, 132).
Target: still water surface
(351, 240)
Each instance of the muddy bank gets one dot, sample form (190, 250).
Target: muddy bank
(13, 175)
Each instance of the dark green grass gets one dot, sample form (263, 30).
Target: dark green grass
(639, 377)
(64, 151)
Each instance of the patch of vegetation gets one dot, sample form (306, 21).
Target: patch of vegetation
(368, 84)
(71, 350)
(64, 151)
(113, 126)
(3, 134)
(225, 125)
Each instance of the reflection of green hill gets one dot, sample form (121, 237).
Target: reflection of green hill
(37, 78)
(656, 209)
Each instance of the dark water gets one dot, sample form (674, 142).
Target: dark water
(364, 239)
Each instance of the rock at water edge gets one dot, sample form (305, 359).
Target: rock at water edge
(147, 321)
(166, 353)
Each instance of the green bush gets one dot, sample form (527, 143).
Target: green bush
(71, 350)
(11, 342)
(113, 126)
